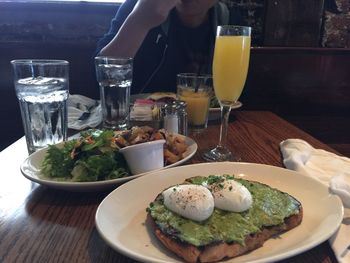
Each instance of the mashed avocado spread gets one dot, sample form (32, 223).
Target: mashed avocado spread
(270, 207)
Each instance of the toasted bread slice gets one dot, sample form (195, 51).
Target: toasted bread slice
(165, 97)
(214, 250)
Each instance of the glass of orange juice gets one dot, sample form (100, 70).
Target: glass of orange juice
(195, 90)
(230, 68)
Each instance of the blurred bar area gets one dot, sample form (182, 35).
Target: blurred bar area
(299, 67)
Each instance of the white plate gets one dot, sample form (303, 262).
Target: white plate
(121, 217)
(215, 113)
(30, 168)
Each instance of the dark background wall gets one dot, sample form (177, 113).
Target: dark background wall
(48, 30)
(297, 23)
(299, 66)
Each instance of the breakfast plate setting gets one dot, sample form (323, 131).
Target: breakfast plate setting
(126, 228)
(31, 168)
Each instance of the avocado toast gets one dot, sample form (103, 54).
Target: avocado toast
(225, 234)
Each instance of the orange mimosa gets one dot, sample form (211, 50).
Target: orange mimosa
(230, 67)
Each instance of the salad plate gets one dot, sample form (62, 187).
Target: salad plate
(125, 227)
(31, 169)
(214, 113)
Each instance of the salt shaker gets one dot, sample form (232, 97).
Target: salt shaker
(171, 118)
(175, 117)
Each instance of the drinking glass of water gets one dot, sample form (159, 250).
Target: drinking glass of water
(114, 76)
(42, 90)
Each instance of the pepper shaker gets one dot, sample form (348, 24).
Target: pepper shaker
(182, 116)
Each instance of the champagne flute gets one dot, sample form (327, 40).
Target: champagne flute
(230, 67)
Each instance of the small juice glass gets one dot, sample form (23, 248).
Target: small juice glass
(195, 90)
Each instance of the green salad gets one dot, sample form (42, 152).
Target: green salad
(93, 157)
(214, 103)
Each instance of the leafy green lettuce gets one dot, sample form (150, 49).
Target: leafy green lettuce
(92, 157)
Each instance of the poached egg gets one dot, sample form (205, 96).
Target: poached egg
(231, 196)
(191, 201)
(197, 202)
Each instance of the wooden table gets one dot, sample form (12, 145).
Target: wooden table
(39, 224)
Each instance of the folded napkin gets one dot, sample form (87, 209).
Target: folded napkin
(330, 169)
(145, 110)
(142, 110)
(83, 112)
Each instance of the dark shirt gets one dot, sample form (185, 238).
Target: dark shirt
(169, 49)
(195, 46)
(188, 51)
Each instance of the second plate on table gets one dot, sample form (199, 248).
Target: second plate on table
(214, 113)
(31, 169)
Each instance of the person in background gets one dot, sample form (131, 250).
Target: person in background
(165, 37)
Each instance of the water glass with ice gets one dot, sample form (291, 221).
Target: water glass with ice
(114, 76)
(42, 90)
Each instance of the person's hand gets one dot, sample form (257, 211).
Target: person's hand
(152, 13)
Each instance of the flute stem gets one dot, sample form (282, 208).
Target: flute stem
(221, 153)
(225, 113)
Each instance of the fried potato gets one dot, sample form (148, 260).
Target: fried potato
(170, 157)
(174, 147)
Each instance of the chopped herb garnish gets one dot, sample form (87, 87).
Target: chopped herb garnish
(212, 179)
(230, 177)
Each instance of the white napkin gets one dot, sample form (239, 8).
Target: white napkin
(142, 110)
(83, 112)
(330, 169)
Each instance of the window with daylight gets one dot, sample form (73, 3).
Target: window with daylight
(58, 1)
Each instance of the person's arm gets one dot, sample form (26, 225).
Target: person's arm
(146, 15)
(123, 11)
